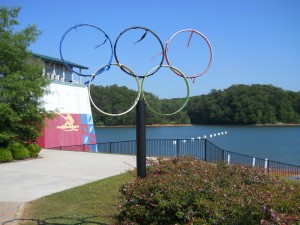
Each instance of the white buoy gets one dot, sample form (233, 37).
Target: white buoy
(198, 137)
(210, 135)
(218, 134)
(174, 142)
(222, 133)
(215, 135)
(204, 136)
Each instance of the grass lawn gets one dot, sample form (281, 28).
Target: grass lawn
(93, 203)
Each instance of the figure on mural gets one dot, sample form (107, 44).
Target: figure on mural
(69, 124)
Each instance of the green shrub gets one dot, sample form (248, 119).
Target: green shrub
(189, 191)
(19, 151)
(34, 150)
(5, 155)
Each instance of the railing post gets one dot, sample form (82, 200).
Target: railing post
(266, 165)
(177, 148)
(223, 155)
(189, 147)
(110, 151)
(205, 150)
(228, 159)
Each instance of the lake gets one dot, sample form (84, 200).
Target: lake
(277, 143)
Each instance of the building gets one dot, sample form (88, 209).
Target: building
(73, 126)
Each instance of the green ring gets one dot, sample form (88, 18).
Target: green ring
(187, 85)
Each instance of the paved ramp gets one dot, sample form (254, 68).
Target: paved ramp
(52, 172)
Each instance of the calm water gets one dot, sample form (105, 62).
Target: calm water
(275, 143)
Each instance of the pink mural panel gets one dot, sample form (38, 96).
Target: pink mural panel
(70, 131)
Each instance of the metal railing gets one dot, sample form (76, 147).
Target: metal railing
(198, 148)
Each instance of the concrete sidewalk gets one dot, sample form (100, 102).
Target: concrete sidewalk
(54, 171)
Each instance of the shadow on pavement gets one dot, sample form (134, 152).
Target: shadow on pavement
(57, 221)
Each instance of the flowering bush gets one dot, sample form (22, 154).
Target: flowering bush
(190, 191)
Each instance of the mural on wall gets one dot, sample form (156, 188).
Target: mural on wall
(73, 124)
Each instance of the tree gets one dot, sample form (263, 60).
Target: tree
(21, 84)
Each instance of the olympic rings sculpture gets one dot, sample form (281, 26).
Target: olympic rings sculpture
(130, 72)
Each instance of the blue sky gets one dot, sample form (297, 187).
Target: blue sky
(254, 42)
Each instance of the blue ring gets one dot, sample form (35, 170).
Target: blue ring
(81, 74)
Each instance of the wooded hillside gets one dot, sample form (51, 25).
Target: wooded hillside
(244, 104)
(238, 104)
(114, 99)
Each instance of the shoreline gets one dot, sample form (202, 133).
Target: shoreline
(188, 125)
(277, 125)
(150, 125)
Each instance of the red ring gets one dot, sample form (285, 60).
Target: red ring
(206, 40)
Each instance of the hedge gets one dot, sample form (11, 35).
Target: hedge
(5, 155)
(19, 151)
(34, 150)
(190, 191)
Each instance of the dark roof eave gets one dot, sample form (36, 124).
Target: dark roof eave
(56, 60)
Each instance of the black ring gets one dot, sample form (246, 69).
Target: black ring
(146, 29)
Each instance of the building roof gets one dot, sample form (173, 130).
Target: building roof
(59, 61)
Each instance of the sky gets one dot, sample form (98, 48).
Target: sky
(253, 42)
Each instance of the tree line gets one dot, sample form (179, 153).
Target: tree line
(238, 104)
(246, 104)
(115, 100)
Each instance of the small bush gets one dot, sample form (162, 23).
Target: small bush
(19, 151)
(189, 191)
(34, 150)
(5, 155)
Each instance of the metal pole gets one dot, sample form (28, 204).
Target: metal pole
(141, 139)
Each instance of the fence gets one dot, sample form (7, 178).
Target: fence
(198, 148)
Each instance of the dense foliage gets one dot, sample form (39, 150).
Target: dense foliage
(114, 99)
(18, 151)
(21, 83)
(5, 155)
(238, 104)
(244, 104)
(189, 191)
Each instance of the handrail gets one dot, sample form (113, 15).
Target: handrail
(202, 149)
